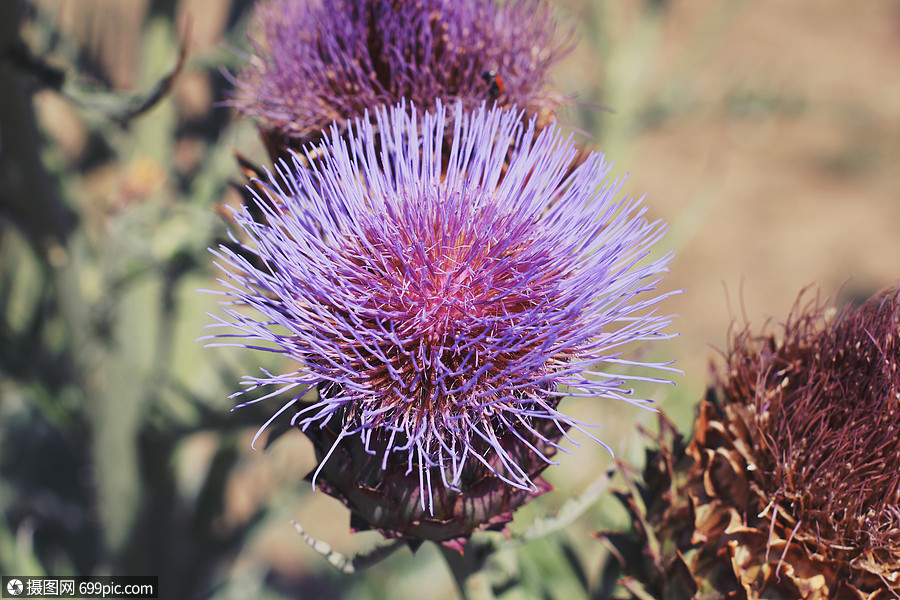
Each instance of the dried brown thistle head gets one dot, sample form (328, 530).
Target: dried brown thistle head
(790, 487)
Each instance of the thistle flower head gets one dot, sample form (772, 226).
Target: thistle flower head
(790, 487)
(442, 303)
(319, 61)
(828, 423)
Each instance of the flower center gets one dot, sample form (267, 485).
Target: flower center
(446, 314)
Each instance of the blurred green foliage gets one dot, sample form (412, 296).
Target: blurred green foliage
(103, 380)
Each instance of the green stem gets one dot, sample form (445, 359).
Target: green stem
(462, 566)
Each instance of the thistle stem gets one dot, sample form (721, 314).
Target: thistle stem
(463, 565)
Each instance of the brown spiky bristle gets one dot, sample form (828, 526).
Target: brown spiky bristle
(790, 486)
(825, 401)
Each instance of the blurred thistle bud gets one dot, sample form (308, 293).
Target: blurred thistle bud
(790, 487)
(442, 310)
(323, 61)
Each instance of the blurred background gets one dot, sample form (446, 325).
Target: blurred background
(766, 133)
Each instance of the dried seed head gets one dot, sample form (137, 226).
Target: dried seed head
(790, 486)
(825, 406)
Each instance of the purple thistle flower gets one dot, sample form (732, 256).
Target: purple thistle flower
(442, 302)
(319, 61)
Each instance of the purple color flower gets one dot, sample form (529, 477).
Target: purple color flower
(319, 61)
(443, 302)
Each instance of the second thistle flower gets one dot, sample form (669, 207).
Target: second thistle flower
(442, 302)
(321, 61)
